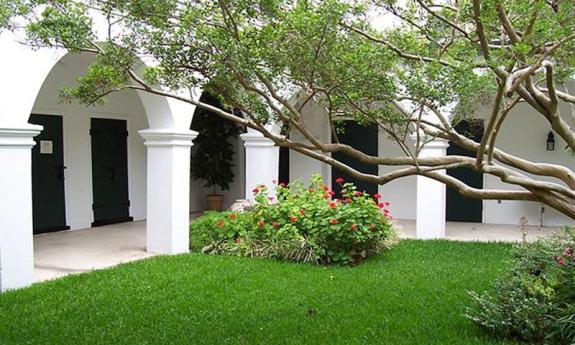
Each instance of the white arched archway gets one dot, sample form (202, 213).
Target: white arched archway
(168, 140)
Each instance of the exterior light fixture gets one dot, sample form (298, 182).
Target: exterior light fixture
(550, 142)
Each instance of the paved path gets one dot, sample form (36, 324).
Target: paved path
(62, 253)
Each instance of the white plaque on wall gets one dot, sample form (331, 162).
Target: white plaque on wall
(46, 147)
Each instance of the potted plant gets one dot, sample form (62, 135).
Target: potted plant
(213, 154)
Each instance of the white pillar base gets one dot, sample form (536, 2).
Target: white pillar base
(262, 162)
(168, 210)
(430, 222)
(16, 242)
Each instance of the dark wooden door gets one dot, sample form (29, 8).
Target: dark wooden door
(110, 171)
(48, 196)
(365, 139)
(459, 208)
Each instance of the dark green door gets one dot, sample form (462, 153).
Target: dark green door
(363, 138)
(48, 199)
(110, 171)
(459, 208)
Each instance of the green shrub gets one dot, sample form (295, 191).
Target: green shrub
(535, 300)
(304, 224)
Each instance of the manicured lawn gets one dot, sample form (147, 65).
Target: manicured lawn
(414, 294)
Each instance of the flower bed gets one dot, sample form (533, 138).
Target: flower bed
(535, 301)
(302, 224)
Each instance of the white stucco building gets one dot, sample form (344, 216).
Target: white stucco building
(67, 166)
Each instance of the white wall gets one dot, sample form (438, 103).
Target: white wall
(77, 145)
(301, 167)
(525, 135)
(400, 193)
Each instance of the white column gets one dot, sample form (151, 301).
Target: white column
(16, 244)
(168, 199)
(262, 162)
(430, 222)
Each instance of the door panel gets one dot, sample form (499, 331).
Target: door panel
(365, 139)
(459, 208)
(48, 190)
(110, 171)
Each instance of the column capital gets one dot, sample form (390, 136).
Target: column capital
(22, 136)
(256, 139)
(168, 137)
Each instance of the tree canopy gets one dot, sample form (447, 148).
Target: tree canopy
(412, 67)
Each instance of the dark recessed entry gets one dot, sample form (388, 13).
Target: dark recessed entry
(459, 208)
(110, 171)
(365, 139)
(48, 196)
(283, 173)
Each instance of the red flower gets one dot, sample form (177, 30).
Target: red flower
(270, 198)
(220, 223)
(233, 216)
(261, 223)
(386, 211)
(276, 225)
(302, 211)
(311, 190)
(560, 261)
(357, 194)
(262, 186)
(325, 188)
(377, 196)
(326, 196)
(238, 240)
(387, 203)
(353, 227)
(372, 227)
(332, 204)
(331, 192)
(568, 252)
(339, 180)
(255, 191)
(334, 221)
(293, 219)
(347, 200)
(381, 205)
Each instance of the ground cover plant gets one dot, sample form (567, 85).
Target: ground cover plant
(535, 300)
(302, 224)
(413, 294)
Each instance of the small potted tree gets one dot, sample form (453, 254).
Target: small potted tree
(213, 154)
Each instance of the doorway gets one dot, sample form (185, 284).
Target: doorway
(458, 207)
(48, 189)
(111, 203)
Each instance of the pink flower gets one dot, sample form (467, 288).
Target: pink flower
(377, 196)
(560, 261)
(334, 221)
(282, 185)
(381, 205)
(332, 204)
(255, 191)
(331, 192)
(387, 203)
(302, 211)
(358, 194)
(386, 211)
(270, 198)
(343, 191)
(339, 180)
(347, 200)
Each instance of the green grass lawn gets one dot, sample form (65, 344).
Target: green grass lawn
(414, 294)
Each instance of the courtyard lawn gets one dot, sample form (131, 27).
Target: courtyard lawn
(414, 294)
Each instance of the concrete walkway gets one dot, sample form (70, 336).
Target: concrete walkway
(62, 253)
(459, 231)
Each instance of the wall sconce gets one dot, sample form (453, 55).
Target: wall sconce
(550, 142)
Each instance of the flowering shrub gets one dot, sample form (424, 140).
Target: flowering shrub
(535, 301)
(302, 223)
